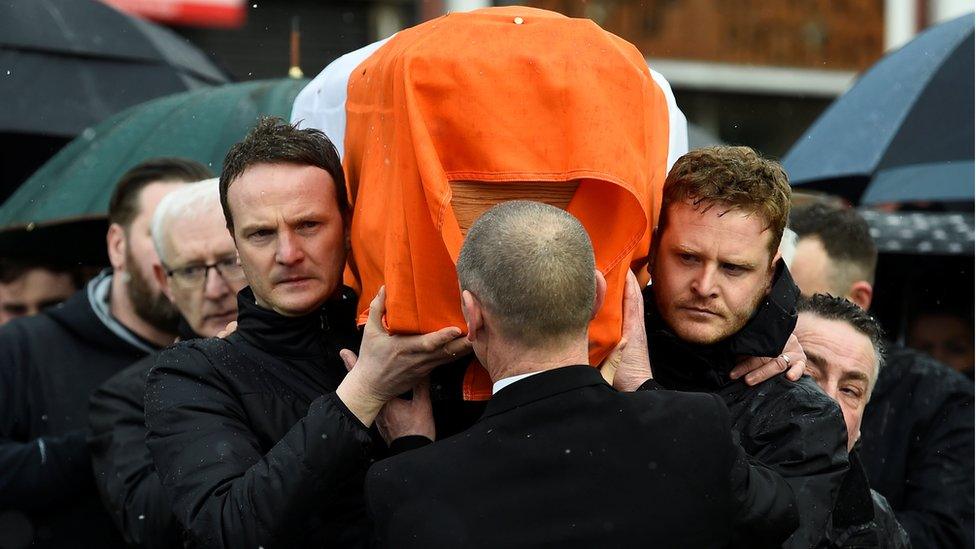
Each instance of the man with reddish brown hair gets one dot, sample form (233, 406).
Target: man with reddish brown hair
(720, 299)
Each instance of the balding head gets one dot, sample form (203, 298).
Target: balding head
(532, 266)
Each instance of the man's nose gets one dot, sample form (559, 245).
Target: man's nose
(214, 286)
(704, 282)
(289, 250)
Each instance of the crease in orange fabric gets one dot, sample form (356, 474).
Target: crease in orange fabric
(478, 97)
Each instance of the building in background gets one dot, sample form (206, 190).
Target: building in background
(755, 72)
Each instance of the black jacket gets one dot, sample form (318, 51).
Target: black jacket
(917, 447)
(124, 472)
(49, 365)
(561, 459)
(794, 428)
(249, 438)
(862, 517)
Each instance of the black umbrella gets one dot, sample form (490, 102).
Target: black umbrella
(66, 65)
(903, 132)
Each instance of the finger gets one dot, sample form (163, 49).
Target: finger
(632, 292)
(434, 342)
(772, 368)
(229, 329)
(614, 357)
(746, 366)
(349, 358)
(796, 370)
(459, 347)
(377, 308)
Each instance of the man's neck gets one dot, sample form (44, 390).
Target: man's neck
(504, 361)
(123, 310)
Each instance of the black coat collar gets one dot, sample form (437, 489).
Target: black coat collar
(542, 385)
(308, 336)
(681, 365)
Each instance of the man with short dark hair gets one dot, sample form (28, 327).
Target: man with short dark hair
(917, 440)
(719, 292)
(198, 271)
(51, 362)
(560, 458)
(261, 438)
(27, 287)
(845, 351)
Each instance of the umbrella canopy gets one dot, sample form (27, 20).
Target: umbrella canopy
(903, 132)
(76, 184)
(921, 233)
(68, 64)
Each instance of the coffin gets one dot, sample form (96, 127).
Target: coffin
(452, 116)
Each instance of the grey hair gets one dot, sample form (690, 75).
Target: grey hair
(185, 203)
(532, 266)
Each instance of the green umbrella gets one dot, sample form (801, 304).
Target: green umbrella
(59, 213)
(201, 124)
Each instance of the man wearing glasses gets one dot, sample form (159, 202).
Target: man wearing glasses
(199, 272)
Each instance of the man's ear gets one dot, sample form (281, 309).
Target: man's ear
(860, 293)
(601, 292)
(473, 314)
(160, 273)
(771, 272)
(115, 239)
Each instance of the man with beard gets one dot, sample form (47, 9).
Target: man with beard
(51, 362)
(719, 292)
(198, 270)
(261, 438)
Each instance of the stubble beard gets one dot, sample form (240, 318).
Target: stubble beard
(739, 318)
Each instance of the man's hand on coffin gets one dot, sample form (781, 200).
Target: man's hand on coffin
(389, 365)
(757, 369)
(401, 417)
(628, 365)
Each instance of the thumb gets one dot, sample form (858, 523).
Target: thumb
(377, 308)
(349, 358)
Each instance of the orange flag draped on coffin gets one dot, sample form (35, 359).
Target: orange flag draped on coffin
(497, 103)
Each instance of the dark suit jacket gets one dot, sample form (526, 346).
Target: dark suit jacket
(562, 459)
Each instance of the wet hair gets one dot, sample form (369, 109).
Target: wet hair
(532, 266)
(837, 308)
(274, 141)
(730, 178)
(845, 236)
(189, 202)
(123, 207)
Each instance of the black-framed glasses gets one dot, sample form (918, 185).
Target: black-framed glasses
(194, 275)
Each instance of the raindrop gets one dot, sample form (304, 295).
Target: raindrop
(8, 72)
(44, 417)
(142, 517)
(254, 6)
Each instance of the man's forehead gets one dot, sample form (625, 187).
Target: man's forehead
(284, 188)
(735, 231)
(835, 342)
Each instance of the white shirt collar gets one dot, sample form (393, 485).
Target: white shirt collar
(506, 381)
